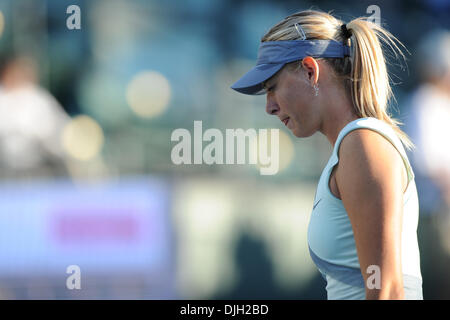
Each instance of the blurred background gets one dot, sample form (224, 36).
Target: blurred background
(86, 177)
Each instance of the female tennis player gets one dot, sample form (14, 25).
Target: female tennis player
(321, 74)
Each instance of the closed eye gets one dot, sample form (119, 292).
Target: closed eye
(271, 88)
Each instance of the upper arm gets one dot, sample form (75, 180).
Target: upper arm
(370, 181)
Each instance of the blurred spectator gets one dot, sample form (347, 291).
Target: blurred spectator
(31, 121)
(429, 128)
(430, 105)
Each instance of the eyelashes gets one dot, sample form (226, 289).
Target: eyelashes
(267, 88)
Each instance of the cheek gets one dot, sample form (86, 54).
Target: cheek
(298, 96)
(298, 106)
(295, 98)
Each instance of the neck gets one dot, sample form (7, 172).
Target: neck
(338, 112)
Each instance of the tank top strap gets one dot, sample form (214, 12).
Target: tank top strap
(379, 126)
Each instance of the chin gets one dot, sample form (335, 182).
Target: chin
(300, 134)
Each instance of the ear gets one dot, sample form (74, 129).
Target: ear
(312, 68)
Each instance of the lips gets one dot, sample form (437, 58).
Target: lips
(285, 121)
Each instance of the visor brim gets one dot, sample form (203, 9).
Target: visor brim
(252, 82)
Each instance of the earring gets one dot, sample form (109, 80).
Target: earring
(316, 90)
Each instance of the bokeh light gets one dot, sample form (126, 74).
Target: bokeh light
(82, 138)
(2, 23)
(101, 96)
(148, 94)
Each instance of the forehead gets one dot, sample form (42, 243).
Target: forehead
(277, 77)
(274, 78)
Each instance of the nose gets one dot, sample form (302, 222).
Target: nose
(271, 105)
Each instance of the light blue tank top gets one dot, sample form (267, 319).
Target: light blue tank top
(330, 235)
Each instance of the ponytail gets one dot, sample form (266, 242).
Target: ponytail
(370, 88)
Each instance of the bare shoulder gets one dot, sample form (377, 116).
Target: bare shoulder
(366, 158)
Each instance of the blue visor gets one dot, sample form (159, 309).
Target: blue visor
(273, 55)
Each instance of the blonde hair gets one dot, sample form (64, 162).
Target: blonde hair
(364, 73)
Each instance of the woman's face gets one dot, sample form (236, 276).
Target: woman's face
(291, 98)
